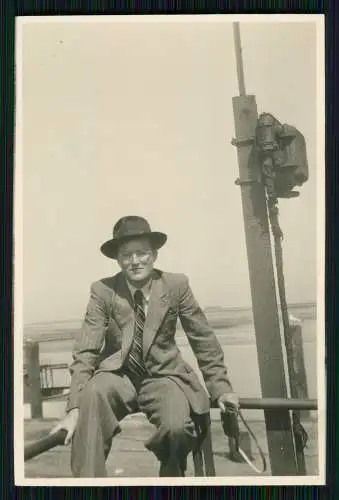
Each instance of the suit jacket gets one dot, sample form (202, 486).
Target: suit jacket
(107, 333)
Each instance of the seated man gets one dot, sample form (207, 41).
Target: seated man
(126, 358)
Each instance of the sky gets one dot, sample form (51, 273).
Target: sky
(135, 118)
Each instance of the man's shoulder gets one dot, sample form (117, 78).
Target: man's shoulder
(106, 284)
(173, 279)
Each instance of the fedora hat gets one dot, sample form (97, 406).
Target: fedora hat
(129, 227)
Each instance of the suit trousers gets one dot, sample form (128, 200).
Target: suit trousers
(107, 398)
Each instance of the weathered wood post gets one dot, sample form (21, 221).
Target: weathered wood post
(299, 389)
(295, 360)
(293, 337)
(296, 363)
(298, 384)
(263, 291)
(32, 390)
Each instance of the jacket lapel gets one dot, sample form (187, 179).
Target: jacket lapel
(158, 305)
(124, 314)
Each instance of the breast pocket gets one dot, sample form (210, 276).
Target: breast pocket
(171, 318)
(113, 337)
(169, 325)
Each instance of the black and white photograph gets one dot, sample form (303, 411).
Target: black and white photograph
(169, 250)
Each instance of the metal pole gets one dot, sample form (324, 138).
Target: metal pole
(260, 263)
(278, 404)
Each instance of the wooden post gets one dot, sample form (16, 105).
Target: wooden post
(292, 336)
(32, 377)
(295, 359)
(299, 389)
(264, 302)
(298, 384)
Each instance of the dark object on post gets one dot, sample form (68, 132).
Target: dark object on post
(32, 377)
(283, 149)
(45, 444)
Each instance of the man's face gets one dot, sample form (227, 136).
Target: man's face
(136, 259)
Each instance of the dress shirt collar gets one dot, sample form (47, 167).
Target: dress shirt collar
(146, 290)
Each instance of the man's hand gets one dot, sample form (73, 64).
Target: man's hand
(228, 399)
(68, 423)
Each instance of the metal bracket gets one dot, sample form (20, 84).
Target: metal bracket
(246, 141)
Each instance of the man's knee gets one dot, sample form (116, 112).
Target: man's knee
(95, 393)
(105, 394)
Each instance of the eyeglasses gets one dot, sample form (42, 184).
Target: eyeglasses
(141, 255)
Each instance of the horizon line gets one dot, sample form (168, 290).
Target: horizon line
(205, 309)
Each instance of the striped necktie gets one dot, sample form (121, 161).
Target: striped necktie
(135, 361)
